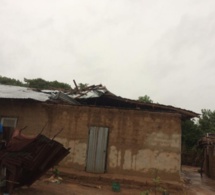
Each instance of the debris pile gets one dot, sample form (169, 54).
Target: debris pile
(23, 160)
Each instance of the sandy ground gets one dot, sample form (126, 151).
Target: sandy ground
(193, 185)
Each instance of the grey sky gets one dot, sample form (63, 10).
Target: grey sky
(162, 48)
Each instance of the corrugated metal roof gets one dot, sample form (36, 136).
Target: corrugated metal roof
(93, 91)
(27, 159)
(154, 106)
(64, 97)
(96, 95)
(15, 92)
(89, 94)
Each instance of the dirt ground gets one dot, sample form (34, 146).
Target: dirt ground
(42, 188)
(195, 185)
(192, 184)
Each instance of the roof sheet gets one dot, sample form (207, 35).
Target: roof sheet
(155, 106)
(15, 92)
(96, 95)
(89, 94)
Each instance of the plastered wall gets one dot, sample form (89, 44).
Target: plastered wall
(138, 143)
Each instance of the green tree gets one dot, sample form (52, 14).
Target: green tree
(10, 81)
(145, 99)
(42, 84)
(59, 85)
(207, 121)
(37, 83)
(191, 133)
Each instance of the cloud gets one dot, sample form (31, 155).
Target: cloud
(183, 62)
(160, 48)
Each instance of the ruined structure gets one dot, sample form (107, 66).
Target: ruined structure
(207, 143)
(25, 159)
(106, 133)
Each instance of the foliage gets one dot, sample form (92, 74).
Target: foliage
(81, 86)
(145, 99)
(191, 133)
(56, 172)
(9, 81)
(207, 121)
(157, 187)
(42, 84)
(35, 83)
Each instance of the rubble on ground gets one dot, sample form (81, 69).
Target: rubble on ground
(25, 159)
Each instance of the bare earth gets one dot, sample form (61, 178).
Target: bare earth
(194, 185)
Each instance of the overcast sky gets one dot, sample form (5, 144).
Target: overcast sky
(162, 48)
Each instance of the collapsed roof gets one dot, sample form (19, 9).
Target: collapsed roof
(26, 159)
(207, 140)
(94, 95)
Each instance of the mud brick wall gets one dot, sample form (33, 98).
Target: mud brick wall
(139, 141)
(209, 163)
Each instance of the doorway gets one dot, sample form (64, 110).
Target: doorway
(97, 150)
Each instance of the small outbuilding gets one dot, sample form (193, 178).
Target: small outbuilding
(106, 133)
(207, 143)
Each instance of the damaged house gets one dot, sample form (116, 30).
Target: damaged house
(106, 133)
(207, 144)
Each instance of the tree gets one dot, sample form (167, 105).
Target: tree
(9, 81)
(59, 85)
(145, 99)
(207, 121)
(42, 84)
(36, 83)
(191, 133)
